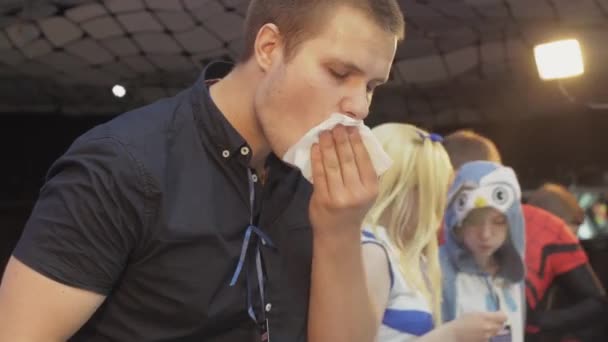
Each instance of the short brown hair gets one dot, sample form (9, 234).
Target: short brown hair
(557, 200)
(465, 146)
(301, 19)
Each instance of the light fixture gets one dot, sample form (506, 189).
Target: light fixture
(562, 59)
(559, 59)
(119, 91)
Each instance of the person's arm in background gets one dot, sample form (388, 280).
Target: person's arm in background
(378, 278)
(572, 272)
(75, 244)
(582, 283)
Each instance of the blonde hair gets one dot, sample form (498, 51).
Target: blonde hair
(411, 203)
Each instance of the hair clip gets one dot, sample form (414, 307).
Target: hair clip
(434, 137)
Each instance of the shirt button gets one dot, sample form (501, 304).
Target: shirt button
(225, 153)
(268, 307)
(244, 150)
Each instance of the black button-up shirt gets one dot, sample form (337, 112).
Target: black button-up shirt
(150, 209)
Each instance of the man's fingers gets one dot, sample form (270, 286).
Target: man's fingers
(318, 171)
(346, 156)
(367, 173)
(331, 164)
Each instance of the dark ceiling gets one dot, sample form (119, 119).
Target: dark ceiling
(464, 61)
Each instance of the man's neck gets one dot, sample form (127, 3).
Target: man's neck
(234, 96)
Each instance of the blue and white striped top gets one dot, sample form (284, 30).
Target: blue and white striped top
(408, 314)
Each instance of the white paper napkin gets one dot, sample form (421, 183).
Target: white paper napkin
(299, 154)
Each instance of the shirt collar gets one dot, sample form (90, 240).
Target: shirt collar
(226, 140)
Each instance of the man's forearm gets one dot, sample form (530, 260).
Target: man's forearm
(340, 305)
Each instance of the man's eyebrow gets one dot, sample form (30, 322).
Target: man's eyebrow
(354, 68)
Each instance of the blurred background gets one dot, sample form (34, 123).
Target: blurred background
(67, 65)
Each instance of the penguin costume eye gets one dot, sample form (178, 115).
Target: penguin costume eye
(461, 201)
(501, 195)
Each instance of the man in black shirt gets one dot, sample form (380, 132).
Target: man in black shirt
(178, 222)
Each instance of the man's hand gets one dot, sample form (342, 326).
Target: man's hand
(345, 183)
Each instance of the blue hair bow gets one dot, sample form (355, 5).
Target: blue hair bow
(434, 137)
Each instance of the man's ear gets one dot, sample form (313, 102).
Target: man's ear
(268, 46)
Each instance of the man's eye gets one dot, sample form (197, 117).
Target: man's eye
(338, 75)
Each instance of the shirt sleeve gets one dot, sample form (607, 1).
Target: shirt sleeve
(89, 216)
(582, 285)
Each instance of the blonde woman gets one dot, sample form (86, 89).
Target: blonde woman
(400, 247)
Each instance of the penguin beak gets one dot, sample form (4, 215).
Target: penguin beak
(480, 202)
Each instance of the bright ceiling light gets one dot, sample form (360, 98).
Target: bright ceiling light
(119, 91)
(559, 59)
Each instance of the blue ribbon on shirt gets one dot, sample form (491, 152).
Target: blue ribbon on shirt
(259, 238)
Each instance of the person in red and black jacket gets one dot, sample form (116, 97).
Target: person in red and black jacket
(553, 255)
(570, 262)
